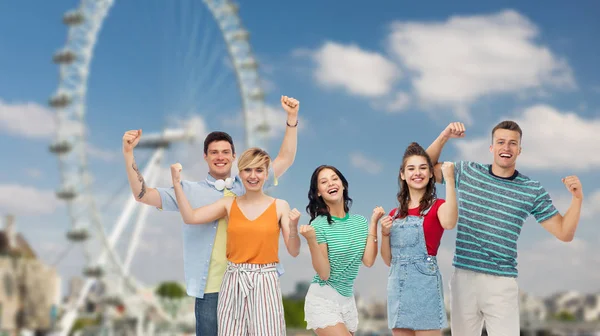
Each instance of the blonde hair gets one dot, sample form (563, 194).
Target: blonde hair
(253, 158)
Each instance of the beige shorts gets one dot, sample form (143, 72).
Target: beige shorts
(477, 298)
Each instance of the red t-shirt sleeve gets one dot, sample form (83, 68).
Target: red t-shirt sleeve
(433, 229)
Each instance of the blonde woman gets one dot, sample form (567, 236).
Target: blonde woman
(250, 296)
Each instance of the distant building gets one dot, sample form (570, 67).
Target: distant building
(13, 243)
(301, 290)
(29, 290)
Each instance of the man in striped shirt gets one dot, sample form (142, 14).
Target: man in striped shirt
(494, 201)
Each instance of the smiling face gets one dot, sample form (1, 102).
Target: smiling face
(416, 172)
(254, 167)
(506, 147)
(330, 186)
(219, 157)
(254, 178)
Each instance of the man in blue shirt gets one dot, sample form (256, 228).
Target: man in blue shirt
(204, 245)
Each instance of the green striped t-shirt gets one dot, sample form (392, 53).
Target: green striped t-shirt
(346, 239)
(491, 212)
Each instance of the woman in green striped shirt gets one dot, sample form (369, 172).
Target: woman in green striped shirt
(339, 242)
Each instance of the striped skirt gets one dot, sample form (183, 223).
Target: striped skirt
(250, 301)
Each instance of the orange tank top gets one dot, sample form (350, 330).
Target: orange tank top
(253, 241)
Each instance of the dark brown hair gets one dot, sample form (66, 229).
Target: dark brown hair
(218, 136)
(316, 205)
(403, 196)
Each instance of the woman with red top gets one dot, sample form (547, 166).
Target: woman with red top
(411, 236)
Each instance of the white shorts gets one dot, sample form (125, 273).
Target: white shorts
(325, 307)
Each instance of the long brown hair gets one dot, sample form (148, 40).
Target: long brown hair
(414, 149)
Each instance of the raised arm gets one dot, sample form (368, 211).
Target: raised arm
(448, 212)
(386, 249)
(453, 130)
(141, 192)
(201, 215)
(564, 227)
(287, 152)
(289, 227)
(371, 247)
(318, 252)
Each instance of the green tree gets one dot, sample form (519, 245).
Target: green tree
(170, 290)
(565, 316)
(294, 313)
(84, 322)
(170, 295)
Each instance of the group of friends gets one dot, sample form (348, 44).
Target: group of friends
(232, 232)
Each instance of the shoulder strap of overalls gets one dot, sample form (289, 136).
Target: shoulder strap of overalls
(427, 210)
(396, 212)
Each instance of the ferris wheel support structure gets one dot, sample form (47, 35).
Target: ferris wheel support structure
(69, 145)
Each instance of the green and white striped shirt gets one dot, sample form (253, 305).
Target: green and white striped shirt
(346, 239)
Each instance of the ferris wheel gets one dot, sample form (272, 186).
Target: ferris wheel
(106, 266)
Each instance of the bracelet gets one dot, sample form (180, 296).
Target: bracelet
(374, 239)
(288, 124)
(386, 235)
(295, 236)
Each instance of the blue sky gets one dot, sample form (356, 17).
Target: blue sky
(371, 78)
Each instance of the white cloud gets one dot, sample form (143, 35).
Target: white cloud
(274, 116)
(369, 165)
(550, 266)
(101, 154)
(467, 57)
(398, 103)
(564, 141)
(25, 200)
(450, 63)
(360, 72)
(31, 120)
(591, 202)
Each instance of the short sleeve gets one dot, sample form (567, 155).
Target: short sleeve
(543, 209)
(168, 199)
(438, 202)
(458, 169)
(436, 206)
(320, 230)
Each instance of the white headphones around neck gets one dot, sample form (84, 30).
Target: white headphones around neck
(221, 184)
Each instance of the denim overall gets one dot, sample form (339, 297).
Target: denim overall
(415, 295)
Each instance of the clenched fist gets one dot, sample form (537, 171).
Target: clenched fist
(176, 172)
(378, 212)
(290, 105)
(386, 225)
(454, 130)
(448, 171)
(131, 139)
(574, 186)
(308, 232)
(294, 217)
